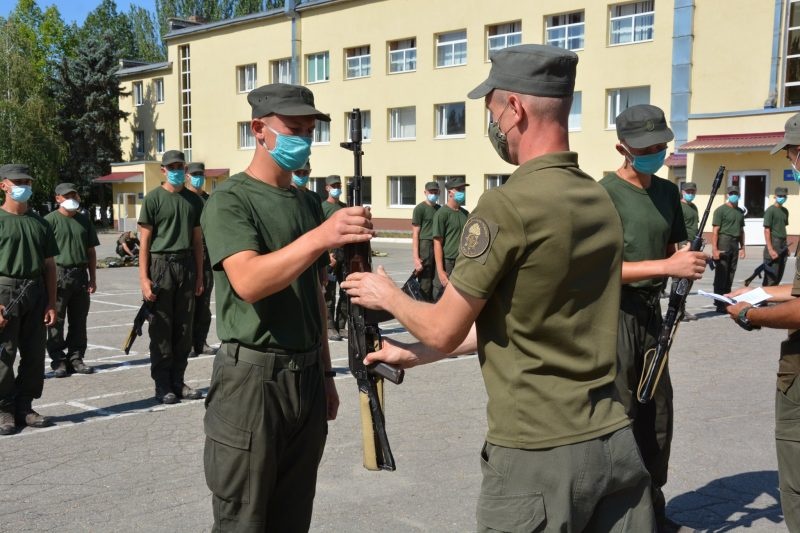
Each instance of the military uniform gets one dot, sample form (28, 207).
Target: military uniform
(75, 235)
(447, 225)
(731, 225)
(776, 218)
(691, 219)
(131, 241)
(422, 217)
(787, 423)
(202, 303)
(337, 311)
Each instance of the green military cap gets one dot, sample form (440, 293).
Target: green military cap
(643, 125)
(456, 181)
(195, 168)
(781, 191)
(733, 189)
(535, 69)
(284, 99)
(15, 171)
(689, 185)
(65, 188)
(791, 135)
(172, 156)
(333, 178)
(431, 185)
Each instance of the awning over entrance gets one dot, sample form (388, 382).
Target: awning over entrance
(740, 142)
(217, 172)
(121, 177)
(675, 160)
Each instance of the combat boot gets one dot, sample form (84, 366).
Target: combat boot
(26, 416)
(165, 395)
(188, 393)
(7, 426)
(60, 370)
(80, 367)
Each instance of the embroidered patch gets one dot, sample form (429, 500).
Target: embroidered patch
(476, 237)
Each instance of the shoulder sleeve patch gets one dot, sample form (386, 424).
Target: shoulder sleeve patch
(477, 237)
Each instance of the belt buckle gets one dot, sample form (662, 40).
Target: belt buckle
(293, 365)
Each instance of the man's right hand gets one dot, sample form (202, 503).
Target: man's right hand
(147, 291)
(348, 225)
(443, 278)
(686, 264)
(773, 254)
(3, 320)
(394, 353)
(417, 265)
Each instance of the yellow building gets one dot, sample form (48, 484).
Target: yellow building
(408, 64)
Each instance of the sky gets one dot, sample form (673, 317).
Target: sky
(76, 10)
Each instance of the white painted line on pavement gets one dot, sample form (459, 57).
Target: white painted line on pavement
(117, 304)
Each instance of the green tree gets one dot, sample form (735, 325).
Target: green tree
(106, 19)
(146, 39)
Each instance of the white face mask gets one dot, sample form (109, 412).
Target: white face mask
(70, 204)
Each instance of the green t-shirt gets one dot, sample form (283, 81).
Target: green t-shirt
(74, 236)
(172, 217)
(248, 214)
(550, 274)
(691, 220)
(729, 219)
(328, 208)
(776, 218)
(651, 219)
(25, 242)
(423, 217)
(447, 225)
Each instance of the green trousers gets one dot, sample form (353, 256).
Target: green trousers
(438, 290)
(72, 304)
(265, 427)
(428, 273)
(337, 309)
(726, 266)
(787, 431)
(595, 485)
(202, 310)
(25, 331)
(773, 274)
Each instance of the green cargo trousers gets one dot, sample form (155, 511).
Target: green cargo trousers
(787, 431)
(202, 310)
(639, 325)
(726, 266)
(173, 313)
(438, 290)
(265, 426)
(773, 274)
(72, 303)
(25, 331)
(428, 272)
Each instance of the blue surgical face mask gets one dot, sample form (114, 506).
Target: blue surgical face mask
(21, 193)
(650, 163)
(688, 196)
(176, 176)
(795, 172)
(335, 193)
(733, 198)
(460, 197)
(300, 181)
(781, 200)
(198, 181)
(433, 198)
(291, 151)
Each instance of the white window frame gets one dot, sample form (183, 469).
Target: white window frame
(441, 112)
(638, 22)
(366, 125)
(246, 78)
(495, 180)
(498, 40)
(395, 188)
(795, 58)
(449, 44)
(395, 128)
(405, 57)
(138, 93)
(568, 30)
(281, 70)
(247, 141)
(138, 142)
(576, 112)
(314, 59)
(618, 100)
(161, 141)
(358, 62)
(158, 88)
(322, 132)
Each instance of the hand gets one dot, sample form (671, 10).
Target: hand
(348, 225)
(393, 353)
(198, 286)
(370, 290)
(147, 291)
(332, 399)
(686, 264)
(741, 253)
(773, 254)
(733, 310)
(332, 259)
(3, 320)
(49, 316)
(737, 292)
(92, 288)
(715, 255)
(443, 278)
(417, 265)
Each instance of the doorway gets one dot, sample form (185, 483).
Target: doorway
(753, 199)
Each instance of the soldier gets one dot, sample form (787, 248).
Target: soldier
(447, 225)
(691, 220)
(727, 243)
(202, 304)
(528, 276)
(171, 256)
(272, 384)
(337, 312)
(76, 272)
(422, 239)
(300, 179)
(27, 249)
(128, 246)
(776, 218)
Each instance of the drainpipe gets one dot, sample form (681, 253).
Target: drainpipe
(682, 43)
(772, 97)
(290, 10)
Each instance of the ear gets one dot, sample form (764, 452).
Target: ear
(622, 151)
(164, 170)
(258, 128)
(516, 107)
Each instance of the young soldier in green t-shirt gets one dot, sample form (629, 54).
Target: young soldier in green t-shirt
(422, 239)
(776, 218)
(446, 229)
(727, 243)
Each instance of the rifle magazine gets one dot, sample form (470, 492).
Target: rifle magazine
(368, 437)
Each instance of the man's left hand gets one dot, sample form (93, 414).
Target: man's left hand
(49, 316)
(733, 310)
(332, 399)
(370, 290)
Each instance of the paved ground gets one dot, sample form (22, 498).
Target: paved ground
(118, 461)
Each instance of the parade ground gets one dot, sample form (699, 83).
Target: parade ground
(118, 461)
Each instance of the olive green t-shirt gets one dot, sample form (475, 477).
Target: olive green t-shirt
(248, 214)
(550, 274)
(691, 220)
(729, 219)
(25, 242)
(423, 217)
(172, 217)
(447, 225)
(74, 236)
(776, 218)
(328, 208)
(651, 219)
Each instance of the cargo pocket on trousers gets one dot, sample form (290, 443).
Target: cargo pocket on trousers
(523, 513)
(226, 458)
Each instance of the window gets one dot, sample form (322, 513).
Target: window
(246, 76)
(792, 92)
(358, 62)
(184, 53)
(566, 30)
(403, 55)
(247, 141)
(158, 83)
(281, 70)
(402, 123)
(495, 180)
(366, 190)
(138, 143)
(137, 93)
(160, 142)
(451, 49)
(318, 186)
(632, 23)
(503, 35)
(621, 99)
(322, 132)
(575, 111)
(318, 70)
(402, 191)
(366, 126)
(450, 120)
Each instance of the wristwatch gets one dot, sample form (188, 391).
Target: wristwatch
(743, 321)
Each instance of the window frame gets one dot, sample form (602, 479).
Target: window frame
(315, 57)
(577, 96)
(566, 26)
(161, 141)
(245, 81)
(244, 134)
(138, 93)
(490, 180)
(610, 115)
(276, 67)
(489, 36)
(394, 187)
(361, 67)
(441, 122)
(633, 18)
(452, 45)
(322, 132)
(138, 143)
(794, 58)
(366, 126)
(393, 125)
(406, 52)
(158, 88)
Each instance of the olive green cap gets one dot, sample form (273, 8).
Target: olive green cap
(781, 191)
(172, 156)
(431, 185)
(196, 167)
(733, 189)
(644, 125)
(791, 134)
(535, 69)
(689, 185)
(65, 188)
(457, 181)
(333, 178)
(284, 99)
(15, 171)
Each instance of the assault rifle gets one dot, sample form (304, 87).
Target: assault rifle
(364, 335)
(145, 313)
(22, 291)
(656, 358)
(768, 267)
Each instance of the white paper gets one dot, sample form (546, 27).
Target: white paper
(754, 297)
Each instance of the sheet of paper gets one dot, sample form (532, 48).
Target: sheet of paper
(754, 297)
(715, 296)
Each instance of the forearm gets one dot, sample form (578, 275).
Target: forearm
(415, 243)
(144, 260)
(50, 280)
(92, 264)
(438, 254)
(783, 316)
(633, 271)
(327, 366)
(768, 240)
(197, 248)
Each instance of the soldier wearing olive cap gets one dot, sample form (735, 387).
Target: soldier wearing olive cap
(776, 218)
(27, 251)
(422, 239)
(272, 388)
(535, 290)
(446, 231)
(727, 243)
(76, 271)
(337, 312)
(691, 219)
